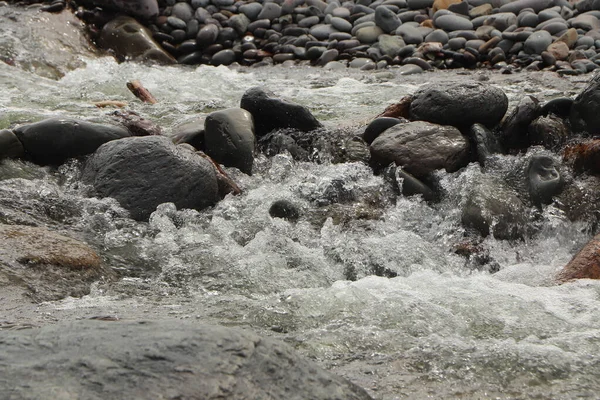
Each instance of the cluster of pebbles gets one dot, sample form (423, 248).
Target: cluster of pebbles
(414, 34)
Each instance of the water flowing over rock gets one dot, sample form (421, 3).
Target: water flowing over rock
(170, 358)
(421, 147)
(584, 111)
(459, 104)
(270, 112)
(53, 141)
(143, 172)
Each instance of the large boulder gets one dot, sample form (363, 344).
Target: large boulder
(143, 172)
(421, 147)
(584, 115)
(129, 39)
(141, 9)
(170, 359)
(46, 265)
(272, 113)
(229, 138)
(459, 104)
(53, 141)
(584, 265)
(10, 146)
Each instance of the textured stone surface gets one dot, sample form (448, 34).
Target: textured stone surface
(169, 359)
(143, 172)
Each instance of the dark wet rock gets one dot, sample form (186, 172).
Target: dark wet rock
(129, 39)
(410, 34)
(45, 265)
(377, 126)
(421, 147)
(486, 143)
(169, 359)
(10, 146)
(142, 9)
(584, 265)
(544, 179)
(229, 138)
(284, 209)
(560, 106)
(459, 104)
(584, 156)
(514, 128)
(270, 11)
(53, 141)
(191, 132)
(494, 209)
(207, 35)
(143, 172)
(270, 112)
(408, 185)
(223, 57)
(584, 115)
(356, 149)
(501, 21)
(549, 131)
(251, 10)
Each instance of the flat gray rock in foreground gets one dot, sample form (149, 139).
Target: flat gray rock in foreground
(158, 360)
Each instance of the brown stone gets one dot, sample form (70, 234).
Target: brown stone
(584, 156)
(559, 49)
(443, 4)
(398, 110)
(47, 265)
(569, 37)
(484, 9)
(428, 23)
(585, 264)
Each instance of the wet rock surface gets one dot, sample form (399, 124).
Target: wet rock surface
(44, 265)
(121, 359)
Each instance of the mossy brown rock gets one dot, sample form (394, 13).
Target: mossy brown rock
(47, 265)
(131, 40)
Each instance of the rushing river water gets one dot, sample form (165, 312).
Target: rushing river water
(439, 329)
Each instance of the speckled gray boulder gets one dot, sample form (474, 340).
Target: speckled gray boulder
(459, 104)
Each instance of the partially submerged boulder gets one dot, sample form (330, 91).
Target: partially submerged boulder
(46, 265)
(270, 112)
(171, 359)
(421, 147)
(143, 172)
(53, 141)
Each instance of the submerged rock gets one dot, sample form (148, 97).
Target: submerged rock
(143, 172)
(459, 104)
(53, 141)
(160, 359)
(46, 265)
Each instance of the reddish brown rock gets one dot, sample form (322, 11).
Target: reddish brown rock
(559, 49)
(443, 4)
(584, 156)
(398, 110)
(585, 264)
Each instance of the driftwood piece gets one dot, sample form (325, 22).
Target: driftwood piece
(135, 124)
(226, 184)
(110, 103)
(141, 92)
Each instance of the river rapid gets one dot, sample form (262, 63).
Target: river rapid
(439, 329)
